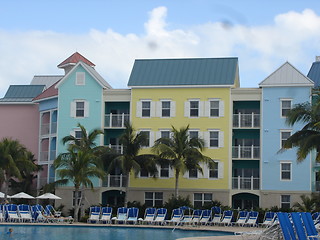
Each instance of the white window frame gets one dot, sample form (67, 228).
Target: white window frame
(210, 108)
(165, 131)
(151, 137)
(190, 109)
(144, 176)
(80, 109)
(167, 109)
(153, 199)
(283, 202)
(209, 143)
(203, 201)
(80, 78)
(281, 107)
(166, 169)
(285, 171)
(150, 107)
(193, 177)
(73, 108)
(216, 170)
(74, 199)
(195, 131)
(281, 136)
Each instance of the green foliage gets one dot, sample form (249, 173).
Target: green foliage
(176, 202)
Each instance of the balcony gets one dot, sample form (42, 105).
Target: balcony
(245, 183)
(116, 181)
(242, 120)
(117, 148)
(116, 120)
(246, 152)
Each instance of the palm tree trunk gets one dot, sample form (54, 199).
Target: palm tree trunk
(176, 192)
(127, 189)
(76, 205)
(6, 187)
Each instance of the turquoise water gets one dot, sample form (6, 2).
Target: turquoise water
(26, 232)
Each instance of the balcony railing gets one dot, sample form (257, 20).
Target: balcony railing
(116, 120)
(115, 181)
(248, 152)
(245, 183)
(242, 120)
(117, 148)
(45, 128)
(44, 156)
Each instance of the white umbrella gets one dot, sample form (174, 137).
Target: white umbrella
(22, 195)
(2, 195)
(48, 196)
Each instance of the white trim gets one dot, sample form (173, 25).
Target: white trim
(282, 100)
(284, 131)
(285, 162)
(184, 86)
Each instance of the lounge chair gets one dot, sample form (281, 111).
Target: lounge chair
(25, 213)
(133, 214)
(268, 220)
(309, 226)
(37, 213)
(176, 217)
(161, 216)
(196, 216)
(316, 217)
(50, 208)
(187, 215)
(242, 218)
(252, 220)
(287, 229)
(94, 214)
(216, 215)
(206, 215)
(122, 215)
(12, 213)
(106, 214)
(298, 225)
(227, 217)
(2, 213)
(149, 216)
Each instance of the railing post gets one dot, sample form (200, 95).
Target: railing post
(108, 185)
(239, 120)
(239, 181)
(239, 151)
(120, 180)
(251, 183)
(252, 152)
(122, 120)
(252, 120)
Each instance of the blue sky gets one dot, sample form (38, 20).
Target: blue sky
(35, 36)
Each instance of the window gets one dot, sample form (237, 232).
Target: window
(285, 171)
(285, 201)
(214, 138)
(165, 112)
(214, 108)
(194, 108)
(199, 199)
(285, 107)
(78, 134)
(213, 171)
(193, 134)
(144, 172)
(284, 136)
(153, 199)
(164, 170)
(80, 109)
(74, 197)
(146, 108)
(147, 142)
(193, 173)
(165, 134)
(80, 78)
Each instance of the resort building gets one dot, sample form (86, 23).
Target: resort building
(243, 129)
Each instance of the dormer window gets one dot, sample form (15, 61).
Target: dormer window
(80, 78)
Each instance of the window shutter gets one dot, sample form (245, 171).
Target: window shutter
(201, 109)
(186, 174)
(207, 108)
(151, 143)
(221, 108)
(152, 109)
(158, 135)
(171, 172)
(205, 170)
(139, 109)
(158, 108)
(73, 133)
(172, 109)
(206, 139)
(86, 109)
(73, 109)
(220, 169)
(80, 78)
(221, 139)
(187, 109)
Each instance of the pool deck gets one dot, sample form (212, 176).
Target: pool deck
(201, 228)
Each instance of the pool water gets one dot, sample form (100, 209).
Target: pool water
(28, 232)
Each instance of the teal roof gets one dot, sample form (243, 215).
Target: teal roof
(314, 74)
(22, 93)
(189, 71)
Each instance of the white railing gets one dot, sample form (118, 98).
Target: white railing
(242, 120)
(117, 148)
(116, 120)
(250, 152)
(115, 181)
(45, 128)
(245, 183)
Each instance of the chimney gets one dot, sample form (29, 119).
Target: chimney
(317, 58)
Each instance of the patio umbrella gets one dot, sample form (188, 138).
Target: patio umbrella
(48, 196)
(2, 195)
(22, 195)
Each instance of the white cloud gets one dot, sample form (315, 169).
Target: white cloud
(293, 36)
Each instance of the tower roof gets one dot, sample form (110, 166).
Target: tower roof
(74, 59)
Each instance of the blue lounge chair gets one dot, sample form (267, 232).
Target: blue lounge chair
(106, 214)
(176, 217)
(133, 214)
(49, 210)
(196, 216)
(227, 217)
(242, 218)
(298, 226)
(309, 226)
(12, 214)
(268, 219)
(94, 214)
(149, 216)
(252, 220)
(316, 217)
(161, 216)
(122, 215)
(286, 226)
(37, 213)
(206, 215)
(216, 215)
(2, 213)
(25, 213)
(187, 215)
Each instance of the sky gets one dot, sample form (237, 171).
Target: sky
(37, 35)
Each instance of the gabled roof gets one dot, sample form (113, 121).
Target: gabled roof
(74, 59)
(47, 80)
(286, 75)
(314, 74)
(188, 71)
(48, 93)
(100, 80)
(22, 93)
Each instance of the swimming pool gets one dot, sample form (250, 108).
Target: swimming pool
(28, 232)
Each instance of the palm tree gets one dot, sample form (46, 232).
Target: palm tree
(131, 159)
(181, 153)
(308, 138)
(79, 167)
(13, 158)
(307, 204)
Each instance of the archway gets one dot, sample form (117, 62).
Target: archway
(113, 198)
(245, 201)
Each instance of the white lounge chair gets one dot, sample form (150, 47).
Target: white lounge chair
(94, 214)
(122, 215)
(161, 216)
(149, 216)
(25, 213)
(132, 215)
(106, 214)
